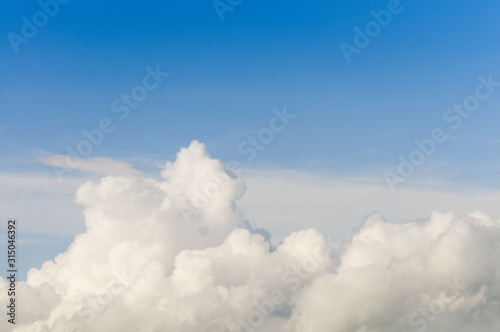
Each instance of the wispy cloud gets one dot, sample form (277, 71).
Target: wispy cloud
(96, 165)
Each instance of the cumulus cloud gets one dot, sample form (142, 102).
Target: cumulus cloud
(177, 254)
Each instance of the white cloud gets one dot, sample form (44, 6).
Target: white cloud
(177, 255)
(41, 202)
(288, 200)
(97, 165)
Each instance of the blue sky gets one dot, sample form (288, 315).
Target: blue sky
(227, 75)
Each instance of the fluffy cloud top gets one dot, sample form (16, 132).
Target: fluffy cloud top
(178, 255)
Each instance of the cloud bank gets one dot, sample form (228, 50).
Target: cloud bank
(177, 254)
